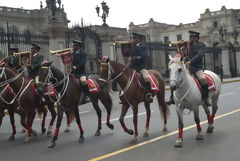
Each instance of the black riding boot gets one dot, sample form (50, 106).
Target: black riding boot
(171, 100)
(205, 94)
(86, 93)
(148, 88)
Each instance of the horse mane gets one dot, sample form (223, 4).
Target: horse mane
(118, 65)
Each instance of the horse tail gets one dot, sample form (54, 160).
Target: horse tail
(163, 107)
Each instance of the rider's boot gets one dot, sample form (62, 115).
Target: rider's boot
(205, 95)
(170, 100)
(86, 93)
(149, 97)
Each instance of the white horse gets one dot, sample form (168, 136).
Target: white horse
(187, 95)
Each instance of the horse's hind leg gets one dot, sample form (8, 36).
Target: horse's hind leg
(121, 119)
(163, 107)
(68, 122)
(179, 140)
(53, 114)
(59, 121)
(197, 121)
(99, 114)
(135, 122)
(76, 111)
(11, 115)
(214, 110)
(107, 102)
(148, 112)
(30, 118)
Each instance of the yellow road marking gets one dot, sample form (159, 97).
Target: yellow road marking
(157, 138)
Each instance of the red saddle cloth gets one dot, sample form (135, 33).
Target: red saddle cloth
(153, 82)
(211, 82)
(92, 85)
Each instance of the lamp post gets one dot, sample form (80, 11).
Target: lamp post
(105, 12)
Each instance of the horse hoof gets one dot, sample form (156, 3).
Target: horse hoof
(98, 133)
(81, 139)
(34, 133)
(178, 143)
(11, 138)
(134, 141)
(27, 139)
(210, 129)
(145, 134)
(111, 126)
(67, 130)
(49, 133)
(43, 130)
(164, 129)
(130, 132)
(51, 144)
(199, 137)
(23, 131)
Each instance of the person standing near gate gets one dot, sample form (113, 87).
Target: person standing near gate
(138, 62)
(78, 65)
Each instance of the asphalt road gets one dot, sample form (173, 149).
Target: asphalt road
(115, 144)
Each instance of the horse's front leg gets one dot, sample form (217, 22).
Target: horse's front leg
(148, 112)
(197, 121)
(179, 140)
(53, 114)
(12, 120)
(1, 115)
(121, 119)
(59, 121)
(135, 122)
(44, 119)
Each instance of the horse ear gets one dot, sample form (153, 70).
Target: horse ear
(170, 57)
(51, 62)
(181, 59)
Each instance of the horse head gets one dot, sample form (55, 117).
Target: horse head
(43, 77)
(104, 73)
(177, 69)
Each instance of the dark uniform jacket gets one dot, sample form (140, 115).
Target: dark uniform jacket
(78, 64)
(36, 62)
(139, 57)
(196, 57)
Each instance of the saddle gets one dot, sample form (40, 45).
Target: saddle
(210, 80)
(153, 82)
(92, 84)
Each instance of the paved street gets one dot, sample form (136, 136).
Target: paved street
(222, 145)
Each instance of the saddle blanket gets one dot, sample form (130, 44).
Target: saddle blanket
(211, 83)
(153, 82)
(92, 85)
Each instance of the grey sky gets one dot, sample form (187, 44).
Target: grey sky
(122, 12)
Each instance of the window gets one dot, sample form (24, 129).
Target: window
(91, 66)
(166, 40)
(215, 24)
(179, 37)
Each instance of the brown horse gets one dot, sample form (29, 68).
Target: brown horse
(70, 93)
(132, 94)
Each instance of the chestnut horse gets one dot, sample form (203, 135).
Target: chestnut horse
(70, 93)
(132, 94)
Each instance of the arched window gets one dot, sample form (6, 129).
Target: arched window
(215, 24)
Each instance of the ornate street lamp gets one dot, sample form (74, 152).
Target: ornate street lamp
(105, 12)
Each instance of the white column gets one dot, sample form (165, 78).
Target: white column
(225, 63)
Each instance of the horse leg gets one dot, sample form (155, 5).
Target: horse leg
(99, 114)
(135, 122)
(11, 115)
(30, 118)
(53, 114)
(44, 119)
(68, 122)
(59, 121)
(179, 140)
(197, 121)
(164, 110)
(1, 115)
(214, 110)
(148, 111)
(76, 111)
(107, 102)
(121, 119)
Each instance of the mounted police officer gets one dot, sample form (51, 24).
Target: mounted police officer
(36, 61)
(138, 61)
(195, 62)
(78, 65)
